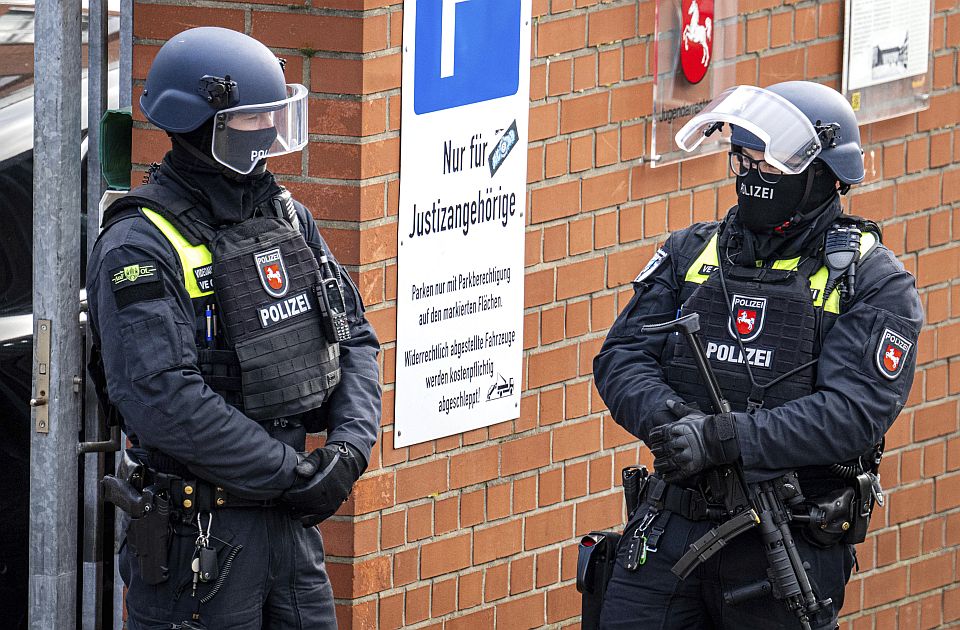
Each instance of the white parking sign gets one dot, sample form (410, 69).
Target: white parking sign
(463, 167)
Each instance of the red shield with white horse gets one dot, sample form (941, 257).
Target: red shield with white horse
(746, 320)
(891, 353)
(747, 317)
(273, 273)
(696, 38)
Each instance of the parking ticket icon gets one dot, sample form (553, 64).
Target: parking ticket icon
(467, 51)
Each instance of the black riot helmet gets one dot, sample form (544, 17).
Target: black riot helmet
(232, 82)
(833, 119)
(793, 123)
(807, 145)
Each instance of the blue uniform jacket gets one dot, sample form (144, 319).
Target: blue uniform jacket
(852, 406)
(150, 359)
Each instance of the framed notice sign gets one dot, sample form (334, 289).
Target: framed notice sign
(886, 57)
(463, 171)
(695, 58)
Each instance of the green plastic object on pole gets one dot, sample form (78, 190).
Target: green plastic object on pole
(116, 131)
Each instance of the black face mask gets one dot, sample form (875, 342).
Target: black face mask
(226, 195)
(765, 207)
(244, 145)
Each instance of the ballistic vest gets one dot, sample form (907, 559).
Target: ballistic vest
(775, 310)
(258, 279)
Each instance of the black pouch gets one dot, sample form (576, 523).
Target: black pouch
(863, 502)
(634, 483)
(596, 557)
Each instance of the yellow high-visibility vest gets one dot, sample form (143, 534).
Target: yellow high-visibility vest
(192, 257)
(710, 256)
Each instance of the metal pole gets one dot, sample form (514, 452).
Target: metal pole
(126, 98)
(93, 463)
(126, 53)
(56, 307)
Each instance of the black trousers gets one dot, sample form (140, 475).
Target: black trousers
(278, 581)
(653, 598)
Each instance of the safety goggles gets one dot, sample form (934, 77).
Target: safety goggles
(244, 135)
(790, 141)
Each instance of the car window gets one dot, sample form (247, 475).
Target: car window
(16, 148)
(16, 237)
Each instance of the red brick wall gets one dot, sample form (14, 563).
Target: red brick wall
(480, 528)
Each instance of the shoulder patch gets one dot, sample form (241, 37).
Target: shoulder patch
(652, 266)
(135, 283)
(891, 354)
(142, 272)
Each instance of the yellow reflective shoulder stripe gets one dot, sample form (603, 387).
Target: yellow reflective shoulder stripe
(788, 264)
(708, 256)
(191, 256)
(818, 281)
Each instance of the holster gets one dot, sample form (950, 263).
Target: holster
(149, 538)
(596, 557)
(148, 533)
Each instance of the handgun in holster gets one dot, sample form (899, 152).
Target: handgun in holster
(148, 533)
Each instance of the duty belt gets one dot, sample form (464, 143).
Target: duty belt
(190, 494)
(200, 496)
(687, 502)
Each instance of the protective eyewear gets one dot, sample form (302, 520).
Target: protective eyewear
(790, 141)
(741, 163)
(244, 135)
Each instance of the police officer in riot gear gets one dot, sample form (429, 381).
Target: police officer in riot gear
(811, 326)
(224, 332)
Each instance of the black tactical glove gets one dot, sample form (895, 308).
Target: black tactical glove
(326, 477)
(666, 415)
(693, 443)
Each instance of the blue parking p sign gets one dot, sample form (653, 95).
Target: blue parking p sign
(467, 51)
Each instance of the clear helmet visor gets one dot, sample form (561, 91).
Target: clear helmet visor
(244, 135)
(790, 141)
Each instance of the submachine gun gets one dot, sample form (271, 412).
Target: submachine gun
(765, 505)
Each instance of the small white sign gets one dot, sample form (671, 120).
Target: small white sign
(886, 40)
(463, 171)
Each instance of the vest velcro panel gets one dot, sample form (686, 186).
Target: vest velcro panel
(266, 277)
(786, 324)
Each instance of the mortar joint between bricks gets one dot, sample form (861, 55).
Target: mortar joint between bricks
(353, 140)
(354, 226)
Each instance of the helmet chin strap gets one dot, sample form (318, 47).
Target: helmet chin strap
(224, 170)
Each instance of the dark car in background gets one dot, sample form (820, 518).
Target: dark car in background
(16, 288)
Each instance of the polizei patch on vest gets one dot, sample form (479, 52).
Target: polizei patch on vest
(273, 273)
(731, 353)
(747, 321)
(892, 353)
(276, 312)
